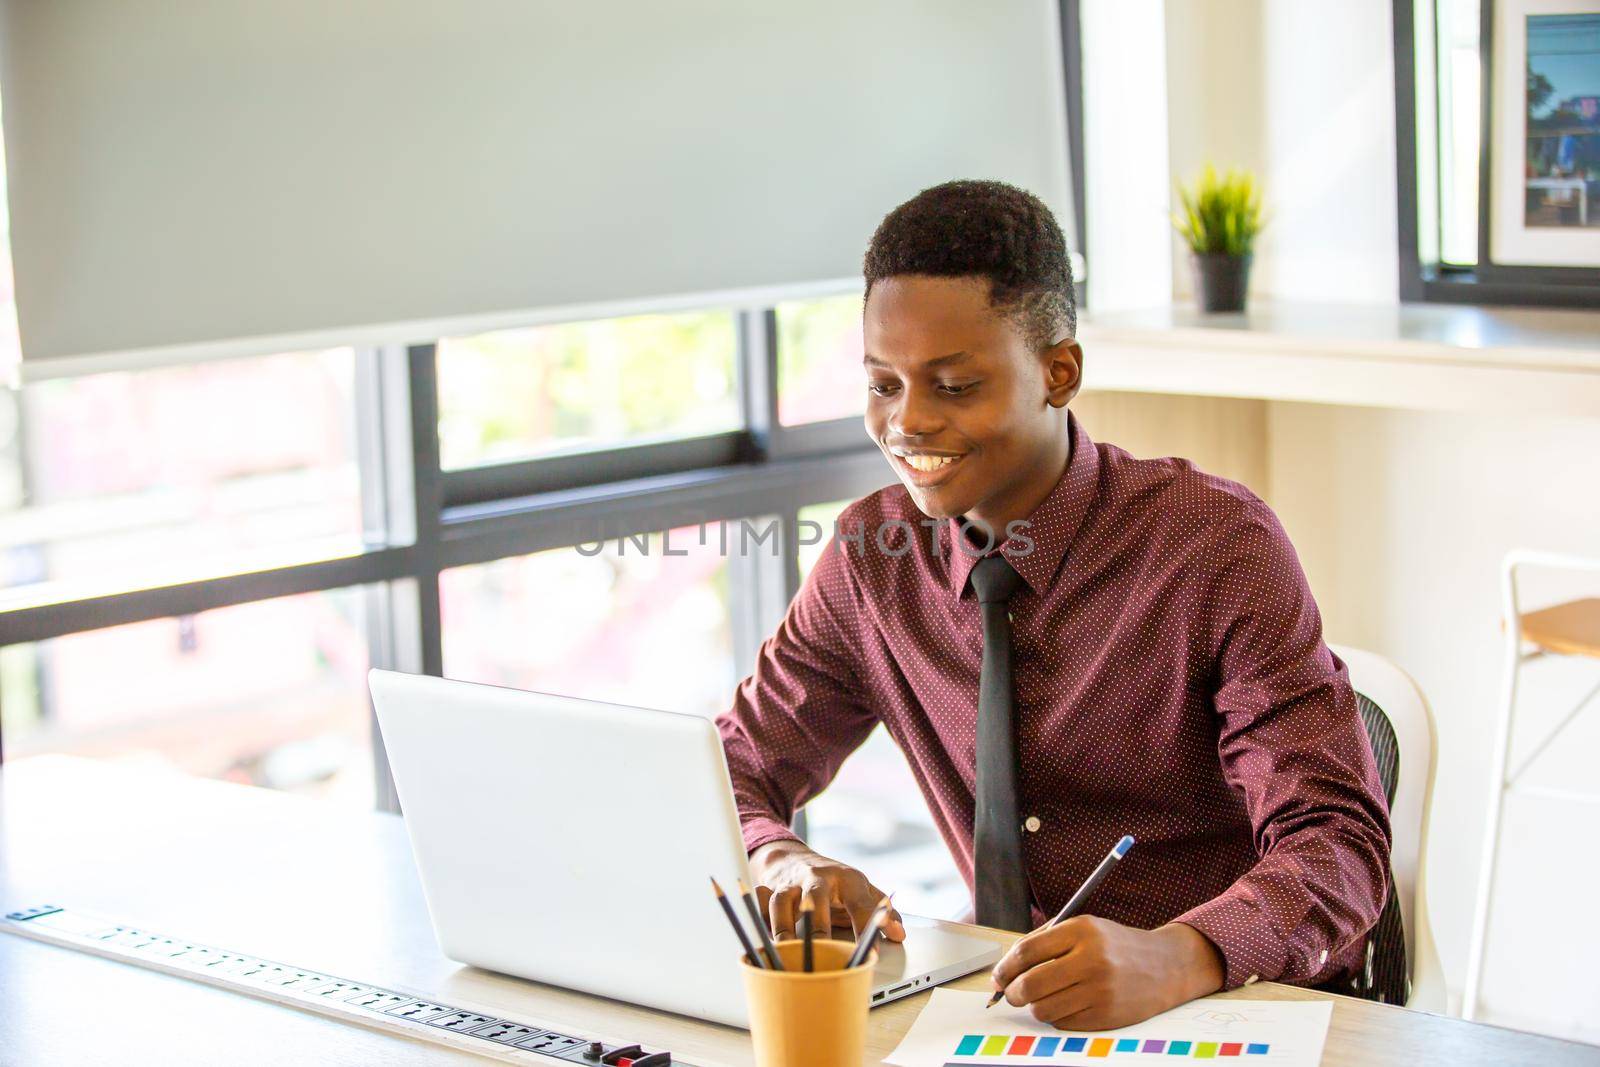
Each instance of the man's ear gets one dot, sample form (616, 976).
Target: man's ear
(1063, 372)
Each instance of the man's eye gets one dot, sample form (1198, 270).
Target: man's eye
(880, 388)
(957, 388)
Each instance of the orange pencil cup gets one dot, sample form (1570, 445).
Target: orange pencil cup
(810, 1020)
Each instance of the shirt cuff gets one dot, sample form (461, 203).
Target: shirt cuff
(762, 830)
(1250, 950)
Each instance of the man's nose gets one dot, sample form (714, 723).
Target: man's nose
(916, 415)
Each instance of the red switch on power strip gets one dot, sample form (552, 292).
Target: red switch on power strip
(634, 1056)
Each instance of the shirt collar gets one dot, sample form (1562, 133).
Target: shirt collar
(1051, 527)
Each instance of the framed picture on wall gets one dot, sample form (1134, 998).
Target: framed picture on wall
(1544, 145)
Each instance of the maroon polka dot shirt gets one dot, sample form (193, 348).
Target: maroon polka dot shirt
(1171, 683)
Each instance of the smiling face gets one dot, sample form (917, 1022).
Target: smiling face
(972, 417)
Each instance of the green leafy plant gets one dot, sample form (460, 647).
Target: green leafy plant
(1221, 214)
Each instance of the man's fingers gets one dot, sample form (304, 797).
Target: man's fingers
(781, 911)
(763, 902)
(861, 899)
(841, 899)
(1048, 979)
(821, 896)
(1034, 949)
(1063, 1010)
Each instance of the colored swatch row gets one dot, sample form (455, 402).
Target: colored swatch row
(1025, 1045)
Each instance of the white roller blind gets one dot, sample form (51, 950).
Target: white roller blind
(194, 177)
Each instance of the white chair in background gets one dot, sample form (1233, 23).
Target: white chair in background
(1405, 755)
(1568, 629)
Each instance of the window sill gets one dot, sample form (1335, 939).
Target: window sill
(1411, 356)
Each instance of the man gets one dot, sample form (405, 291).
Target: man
(1136, 651)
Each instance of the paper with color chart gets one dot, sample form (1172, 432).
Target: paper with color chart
(954, 1030)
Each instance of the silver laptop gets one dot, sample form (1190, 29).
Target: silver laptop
(572, 842)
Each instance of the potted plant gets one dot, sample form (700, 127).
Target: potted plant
(1220, 220)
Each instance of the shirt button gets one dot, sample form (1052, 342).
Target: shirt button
(1324, 958)
(1032, 825)
(1252, 979)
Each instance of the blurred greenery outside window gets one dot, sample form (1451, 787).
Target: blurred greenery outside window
(819, 360)
(545, 390)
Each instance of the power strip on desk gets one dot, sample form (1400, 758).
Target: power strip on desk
(375, 1007)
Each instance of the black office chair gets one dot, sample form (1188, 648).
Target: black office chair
(1387, 977)
(1401, 964)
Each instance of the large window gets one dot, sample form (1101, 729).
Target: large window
(201, 562)
(198, 563)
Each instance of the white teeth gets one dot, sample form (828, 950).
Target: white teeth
(928, 463)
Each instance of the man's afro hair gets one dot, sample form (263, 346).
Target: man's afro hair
(984, 229)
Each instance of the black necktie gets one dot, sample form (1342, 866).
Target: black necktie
(1001, 883)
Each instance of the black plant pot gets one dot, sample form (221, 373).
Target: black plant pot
(1220, 280)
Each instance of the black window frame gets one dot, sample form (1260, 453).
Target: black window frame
(1486, 283)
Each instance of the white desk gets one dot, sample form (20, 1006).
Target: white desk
(262, 873)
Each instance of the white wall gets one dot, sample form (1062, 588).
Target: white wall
(1214, 100)
(1125, 153)
(1303, 95)
(1328, 138)
(1401, 518)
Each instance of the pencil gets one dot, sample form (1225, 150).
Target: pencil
(733, 920)
(760, 924)
(806, 907)
(1070, 908)
(869, 934)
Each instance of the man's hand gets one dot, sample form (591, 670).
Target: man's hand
(1094, 974)
(785, 871)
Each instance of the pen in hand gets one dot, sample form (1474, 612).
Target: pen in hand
(1072, 906)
